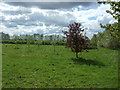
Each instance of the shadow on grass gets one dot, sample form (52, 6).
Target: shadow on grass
(89, 62)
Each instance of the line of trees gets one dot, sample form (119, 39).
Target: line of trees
(32, 37)
(35, 42)
(36, 39)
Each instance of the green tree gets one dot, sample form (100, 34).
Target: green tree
(115, 10)
(94, 40)
(113, 30)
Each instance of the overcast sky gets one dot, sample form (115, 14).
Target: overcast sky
(51, 18)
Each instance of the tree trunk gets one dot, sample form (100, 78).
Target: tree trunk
(76, 54)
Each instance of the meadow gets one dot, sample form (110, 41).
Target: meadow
(49, 66)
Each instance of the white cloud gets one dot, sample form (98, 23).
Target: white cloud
(91, 18)
(23, 20)
(59, 18)
(4, 7)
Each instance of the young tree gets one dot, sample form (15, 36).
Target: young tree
(75, 39)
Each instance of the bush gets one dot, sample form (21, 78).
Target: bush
(40, 42)
(92, 46)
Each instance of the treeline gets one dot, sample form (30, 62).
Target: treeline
(110, 38)
(5, 36)
(40, 42)
(35, 42)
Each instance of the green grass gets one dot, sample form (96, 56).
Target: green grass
(44, 67)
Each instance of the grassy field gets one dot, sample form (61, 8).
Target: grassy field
(47, 66)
